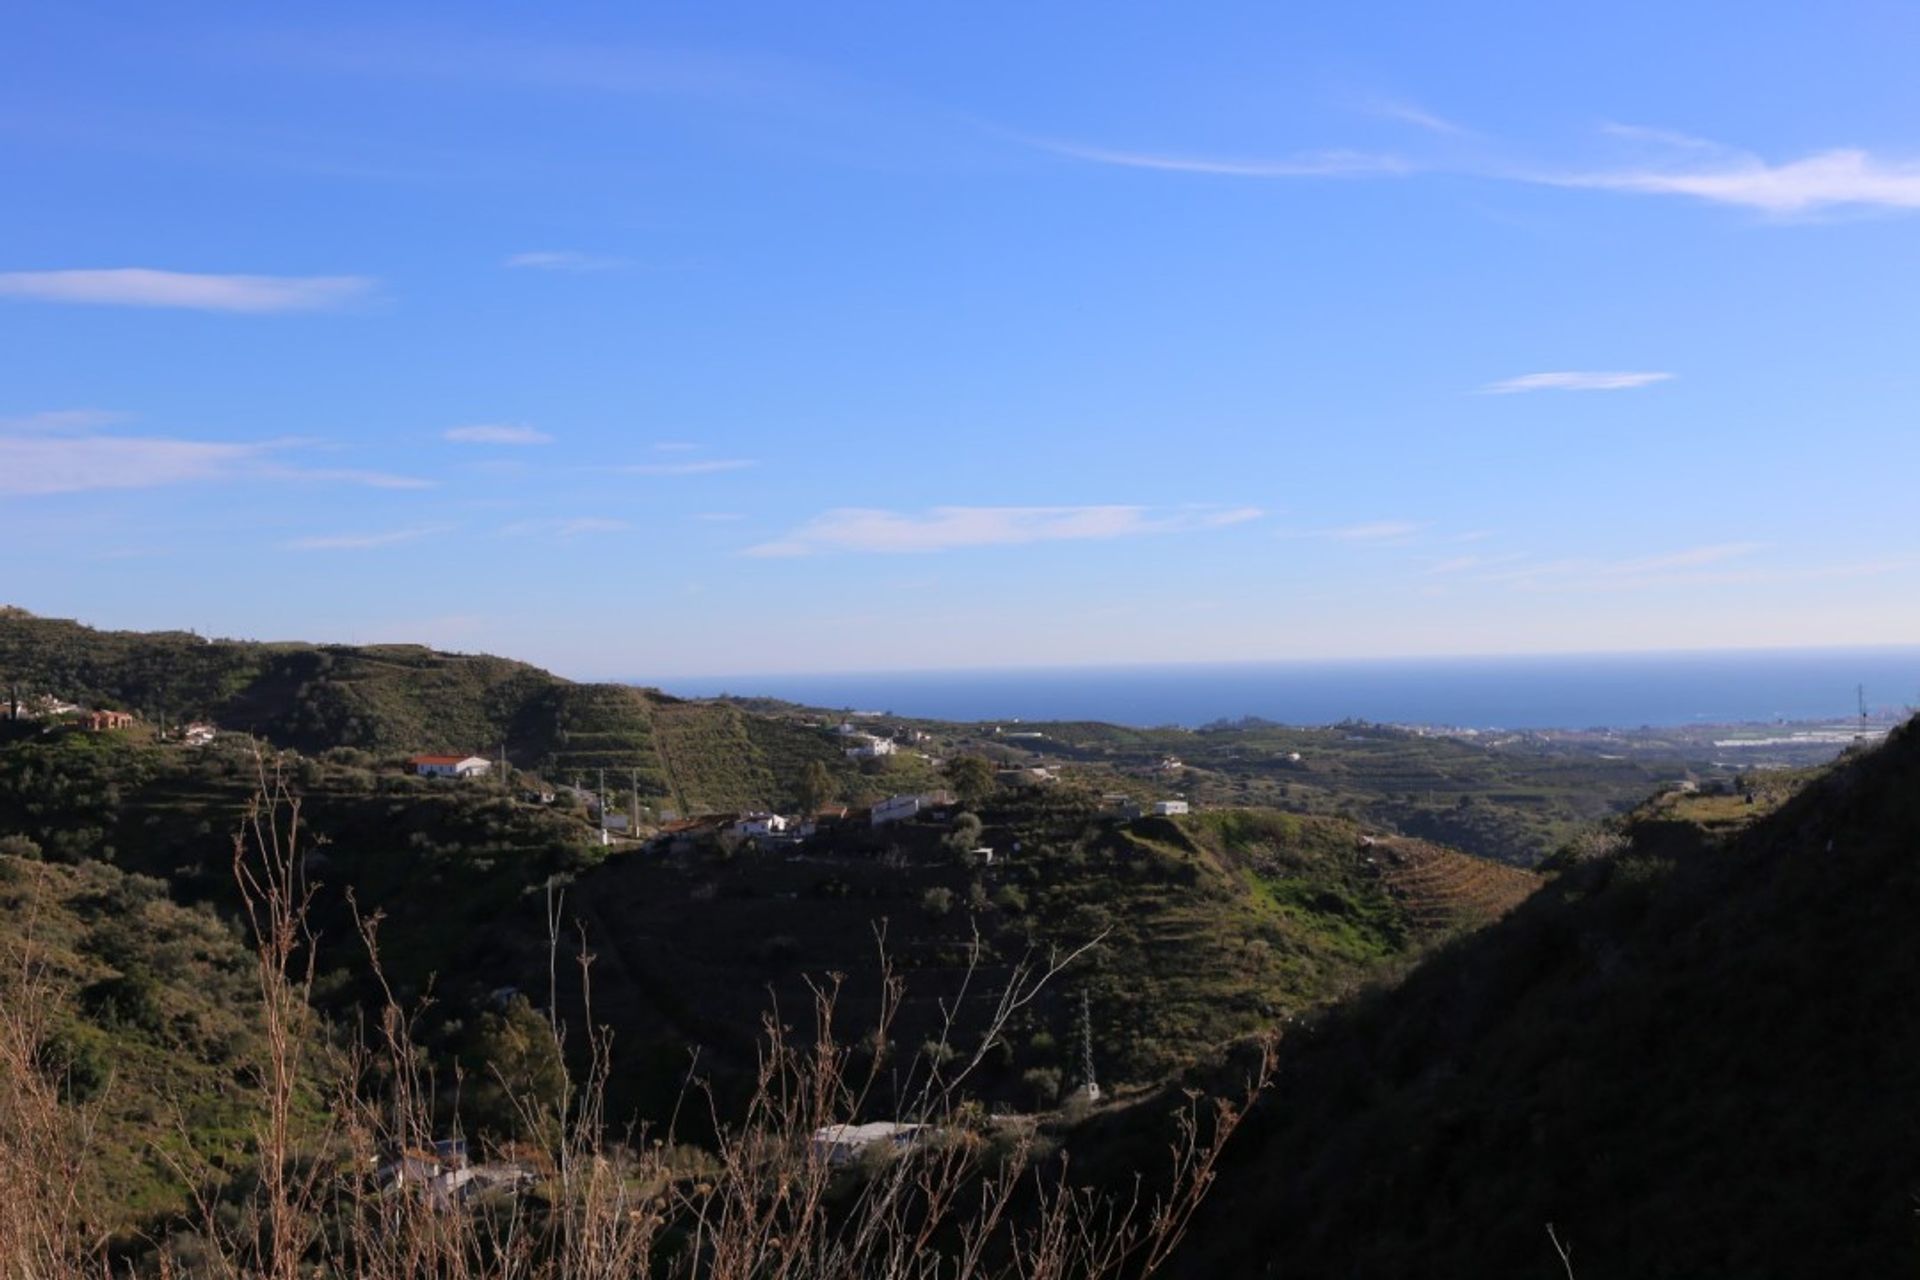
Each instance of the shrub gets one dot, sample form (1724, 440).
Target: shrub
(1043, 1083)
(126, 1001)
(937, 901)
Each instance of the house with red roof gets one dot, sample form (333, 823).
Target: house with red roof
(449, 766)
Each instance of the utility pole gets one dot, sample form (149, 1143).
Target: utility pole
(1860, 695)
(1087, 1080)
(601, 799)
(633, 817)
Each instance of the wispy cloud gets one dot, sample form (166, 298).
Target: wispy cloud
(567, 527)
(860, 529)
(346, 475)
(145, 287)
(1462, 564)
(496, 433)
(364, 541)
(1310, 164)
(1845, 177)
(70, 455)
(565, 260)
(706, 466)
(1575, 380)
(1594, 573)
(1418, 117)
(1373, 531)
(1660, 137)
(42, 464)
(63, 420)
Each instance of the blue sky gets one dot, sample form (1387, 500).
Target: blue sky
(649, 341)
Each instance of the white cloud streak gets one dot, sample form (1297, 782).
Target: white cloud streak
(73, 458)
(40, 465)
(496, 433)
(709, 466)
(364, 541)
(1575, 380)
(1312, 164)
(1845, 177)
(1418, 117)
(565, 260)
(861, 529)
(63, 420)
(145, 287)
(567, 527)
(1374, 531)
(1665, 568)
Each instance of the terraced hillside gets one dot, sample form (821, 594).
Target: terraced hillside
(1207, 927)
(396, 699)
(1443, 889)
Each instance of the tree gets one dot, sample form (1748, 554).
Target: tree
(972, 778)
(965, 836)
(519, 1081)
(817, 786)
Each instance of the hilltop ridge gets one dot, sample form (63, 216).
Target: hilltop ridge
(389, 698)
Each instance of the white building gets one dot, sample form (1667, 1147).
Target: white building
(197, 734)
(1168, 808)
(760, 825)
(896, 809)
(868, 747)
(450, 766)
(840, 1144)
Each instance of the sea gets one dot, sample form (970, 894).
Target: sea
(1619, 691)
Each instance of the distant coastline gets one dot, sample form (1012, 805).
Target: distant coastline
(1524, 692)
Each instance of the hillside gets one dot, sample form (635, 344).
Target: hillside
(155, 1035)
(1212, 926)
(395, 699)
(1697, 1054)
(1514, 799)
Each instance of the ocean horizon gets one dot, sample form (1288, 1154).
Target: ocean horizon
(1581, 691)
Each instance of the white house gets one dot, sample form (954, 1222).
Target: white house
(1167, 808)
(840, 1144)
(760, 825)
(868, 747)
(896, 809)
(450, 766)
(197, 734)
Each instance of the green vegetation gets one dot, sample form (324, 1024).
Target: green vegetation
(157, 1031)
(391, 700)
(1694, 1053)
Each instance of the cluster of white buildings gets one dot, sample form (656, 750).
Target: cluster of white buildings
(861, 745)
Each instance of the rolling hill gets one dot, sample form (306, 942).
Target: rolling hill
(1696, 1054)
(394, 699)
